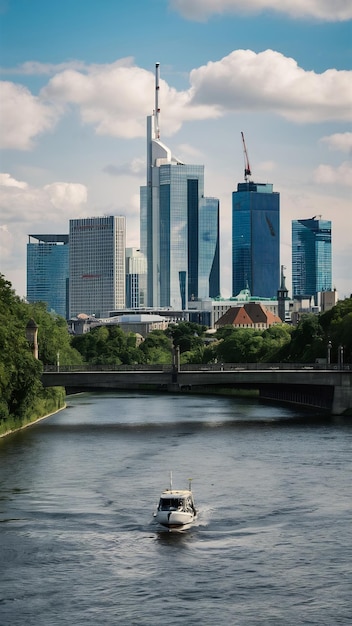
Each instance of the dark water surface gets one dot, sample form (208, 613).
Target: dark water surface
(272, 545)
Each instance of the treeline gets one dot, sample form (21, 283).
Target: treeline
(22, 395)
(281, 343)
(23, 398)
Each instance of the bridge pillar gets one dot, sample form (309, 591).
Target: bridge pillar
(342, 399)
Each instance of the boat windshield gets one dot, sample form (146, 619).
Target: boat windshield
(166, 504)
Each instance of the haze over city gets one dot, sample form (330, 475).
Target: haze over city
(78, 83)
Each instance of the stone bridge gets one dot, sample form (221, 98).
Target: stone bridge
(315, 386)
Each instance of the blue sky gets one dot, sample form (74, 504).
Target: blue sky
(77, 81)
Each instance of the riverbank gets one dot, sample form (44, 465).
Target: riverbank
(30, 423)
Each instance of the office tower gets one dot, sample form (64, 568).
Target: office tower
(311, 257)
(97, 265)
(47, 271)
(256, 239)
(179, 227)
(136, 279)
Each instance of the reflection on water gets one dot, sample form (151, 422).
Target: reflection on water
(79, 544)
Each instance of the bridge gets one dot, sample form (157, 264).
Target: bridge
(324, 387)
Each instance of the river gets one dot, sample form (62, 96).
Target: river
(272, 544)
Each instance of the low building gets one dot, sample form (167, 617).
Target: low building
(141, 324)
(250, 315)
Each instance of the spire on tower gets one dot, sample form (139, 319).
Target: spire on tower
(157, 109)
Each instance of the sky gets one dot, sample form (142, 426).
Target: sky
(77, 82)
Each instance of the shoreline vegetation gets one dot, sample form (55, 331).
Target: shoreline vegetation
(49, 402)
(28, 423)
(32, 338)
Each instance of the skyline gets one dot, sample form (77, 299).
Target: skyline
(74, 111)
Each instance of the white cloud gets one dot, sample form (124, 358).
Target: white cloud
(339, 141)
(136, 167)
(269, 81)
(20, 203)
(6, 180)
(328, 175)
(339, 10)
(64, 195)
(116, 98)
(25, 116)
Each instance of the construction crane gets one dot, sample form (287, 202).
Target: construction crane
(247, 167)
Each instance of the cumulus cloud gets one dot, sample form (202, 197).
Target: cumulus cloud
(339, 141)
(24, 116)
(339, 10)
(6, 180)
(271, 82)
(136, 167)
(116, 98)
(62, 195)
(20, 203)
(329, 175)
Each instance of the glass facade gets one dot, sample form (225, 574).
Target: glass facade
(179, 229)
(256, 240)
(97, 265)
(136, 279)
(311, 257)
(209, 253)
(47, 271)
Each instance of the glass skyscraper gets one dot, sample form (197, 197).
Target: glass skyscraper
(256, 239)
(311, 257)
(47, 271)
(179, 227)
(136, 279)
(97, 265)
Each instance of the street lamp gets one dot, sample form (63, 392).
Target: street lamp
(32, 336)
(340, 356)
(329, 353)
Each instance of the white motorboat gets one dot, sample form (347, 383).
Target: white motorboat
(176, 509)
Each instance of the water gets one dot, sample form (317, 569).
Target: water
(272, 545)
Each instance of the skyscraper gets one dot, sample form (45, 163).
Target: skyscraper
(256, 239)
(179, 227)
(47, 271)
(136, 279)
(97, 265)
(311, 257)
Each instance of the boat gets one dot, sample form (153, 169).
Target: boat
(176, 509)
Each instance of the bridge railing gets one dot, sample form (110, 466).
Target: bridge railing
(192, 367)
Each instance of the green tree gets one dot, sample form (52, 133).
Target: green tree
(22, 394)
(156, 348)
(186, 335)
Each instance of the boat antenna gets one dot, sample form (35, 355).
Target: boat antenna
(171, 480)
(190, 484)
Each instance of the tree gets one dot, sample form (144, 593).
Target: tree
(156, 348)
(186, 335)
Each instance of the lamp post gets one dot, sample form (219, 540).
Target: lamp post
(32, 336)
(340, 356)
(329, 353)
(58, 360)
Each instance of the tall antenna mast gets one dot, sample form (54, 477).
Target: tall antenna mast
(247, 167)
(157, 110)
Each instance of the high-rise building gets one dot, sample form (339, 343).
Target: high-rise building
(47, 271)
(179, 227)
(256, 239)
(311, 257)
(97, 265)
(136, 279)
